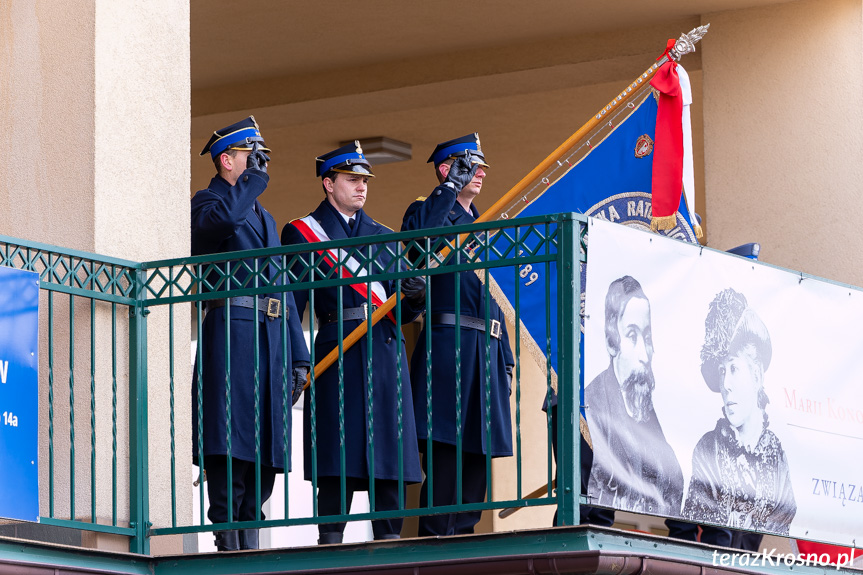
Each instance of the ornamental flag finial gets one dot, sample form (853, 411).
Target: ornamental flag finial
(686, 43)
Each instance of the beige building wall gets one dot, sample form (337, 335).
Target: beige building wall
(46, 114)
(783, 133)
(142, 118)
(94, 101)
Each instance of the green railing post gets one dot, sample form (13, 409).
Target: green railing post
(569, 333)
(139, 495)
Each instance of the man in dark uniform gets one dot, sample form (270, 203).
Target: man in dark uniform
(227, 217)
(345, 174)
(460, 168)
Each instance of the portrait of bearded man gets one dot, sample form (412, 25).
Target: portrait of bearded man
(634, 468)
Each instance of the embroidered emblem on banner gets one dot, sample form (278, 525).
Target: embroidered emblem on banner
(634, 210)
(643, 146)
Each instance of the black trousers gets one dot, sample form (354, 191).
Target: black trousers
(243, 483)
(444, 467)
(386, 499)
(587, 513)
(719, 536)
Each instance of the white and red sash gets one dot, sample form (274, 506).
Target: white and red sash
(312, 231)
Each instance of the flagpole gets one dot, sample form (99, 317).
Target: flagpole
(535, 494)
(684, 45)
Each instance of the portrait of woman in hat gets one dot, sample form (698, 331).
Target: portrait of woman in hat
(740, 475)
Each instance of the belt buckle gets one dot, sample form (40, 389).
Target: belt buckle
(274, 307)
(495, 329)
(366, 310)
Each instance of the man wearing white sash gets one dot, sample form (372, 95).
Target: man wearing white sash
(370, 431)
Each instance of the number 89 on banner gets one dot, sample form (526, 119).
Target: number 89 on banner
(526, 271)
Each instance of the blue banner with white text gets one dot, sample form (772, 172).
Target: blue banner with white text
(19, 409)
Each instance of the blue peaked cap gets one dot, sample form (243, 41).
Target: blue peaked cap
(348, 159)
(458, 147)
(239, 136)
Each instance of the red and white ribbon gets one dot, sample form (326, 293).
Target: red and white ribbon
(688, 166)
(312, 231)
(672, 153)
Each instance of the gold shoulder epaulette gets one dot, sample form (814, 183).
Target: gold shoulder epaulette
(382, 225)
(420, 199)
(301, 217)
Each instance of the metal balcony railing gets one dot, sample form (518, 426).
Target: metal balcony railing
(114, 335)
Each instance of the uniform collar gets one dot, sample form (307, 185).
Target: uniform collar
(334, 222)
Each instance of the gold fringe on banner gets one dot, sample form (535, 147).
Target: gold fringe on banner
(663, 223)
(585, 432)
(699, 233)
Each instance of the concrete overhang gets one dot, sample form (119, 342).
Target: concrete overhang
(272, 54)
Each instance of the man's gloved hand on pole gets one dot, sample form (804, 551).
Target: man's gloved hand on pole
(299, 376)
(414, 289)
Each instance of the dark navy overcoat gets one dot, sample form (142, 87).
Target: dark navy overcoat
(229, 218)
(388, 357)
(441, 209)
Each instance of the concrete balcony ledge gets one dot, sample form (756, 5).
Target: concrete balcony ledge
(28, 557)
(575, 550)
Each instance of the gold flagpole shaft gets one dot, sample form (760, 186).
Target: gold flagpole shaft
(355, 336)
(570, 142)
(535, 494)
(684, 45)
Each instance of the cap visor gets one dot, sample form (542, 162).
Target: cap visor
(358, 170)
(245, 148)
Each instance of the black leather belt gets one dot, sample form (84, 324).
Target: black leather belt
(269, 305)
(468, 322)
(361, 312)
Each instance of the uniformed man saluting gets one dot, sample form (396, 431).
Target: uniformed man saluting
(345, 175)
(227, 217)
(460, 168)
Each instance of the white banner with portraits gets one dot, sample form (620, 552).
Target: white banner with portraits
(721, 390)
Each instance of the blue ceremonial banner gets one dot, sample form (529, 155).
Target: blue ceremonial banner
(612, 181)
(19, 409)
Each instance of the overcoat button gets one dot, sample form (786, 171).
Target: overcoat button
(245, 178)
(389, 340)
